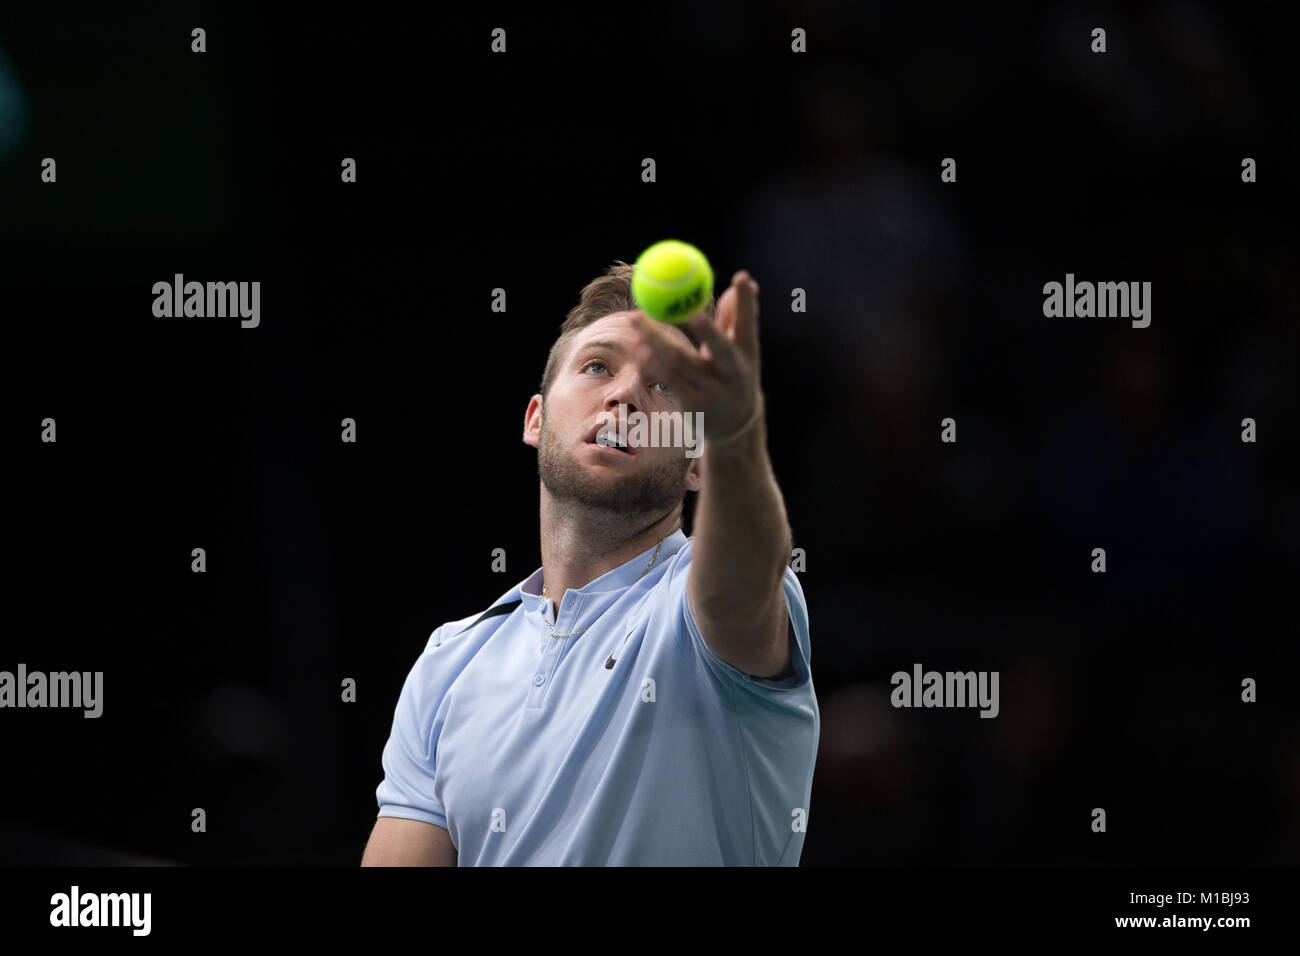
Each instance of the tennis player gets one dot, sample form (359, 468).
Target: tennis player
(644, 698)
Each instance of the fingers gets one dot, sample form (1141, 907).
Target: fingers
(727, 311)
(746, 329)
(722, 343)
(738, 313)
(720, 349)
(664, 358)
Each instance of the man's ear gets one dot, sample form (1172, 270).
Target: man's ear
(693, 474)
(533, 421)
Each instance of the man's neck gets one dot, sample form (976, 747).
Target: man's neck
(578, 547)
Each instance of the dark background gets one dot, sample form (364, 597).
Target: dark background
(522, 171)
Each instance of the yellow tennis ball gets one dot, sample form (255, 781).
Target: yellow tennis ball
(672, 281)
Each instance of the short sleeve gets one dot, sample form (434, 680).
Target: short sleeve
(796, 633)
(407, 790)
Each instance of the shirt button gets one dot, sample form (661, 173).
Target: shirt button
(539, 680)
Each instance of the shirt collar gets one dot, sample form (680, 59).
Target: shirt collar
(620, 577)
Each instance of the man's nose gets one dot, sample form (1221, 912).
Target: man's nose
(614, 401)
(623, 392)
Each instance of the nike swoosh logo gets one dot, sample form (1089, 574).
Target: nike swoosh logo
(609, 664)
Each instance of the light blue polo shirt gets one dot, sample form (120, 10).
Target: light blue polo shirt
(612, 736)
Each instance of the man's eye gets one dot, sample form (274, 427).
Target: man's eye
(666, 389)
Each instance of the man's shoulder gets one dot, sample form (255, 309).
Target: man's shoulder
(447, 651)
(679, 564)
(447, 629)
(680, 558)
(501, 607)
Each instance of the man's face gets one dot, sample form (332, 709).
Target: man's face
(599, 373)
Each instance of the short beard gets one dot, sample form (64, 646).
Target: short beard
(653, 491)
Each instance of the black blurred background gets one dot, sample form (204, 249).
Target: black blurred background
(522, 171)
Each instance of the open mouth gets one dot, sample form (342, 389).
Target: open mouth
(608, 438)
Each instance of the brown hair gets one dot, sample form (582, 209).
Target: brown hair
(602, 296)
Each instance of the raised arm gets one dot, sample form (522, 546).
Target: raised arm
(742, 534)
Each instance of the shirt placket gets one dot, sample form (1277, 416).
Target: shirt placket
(552, 650)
